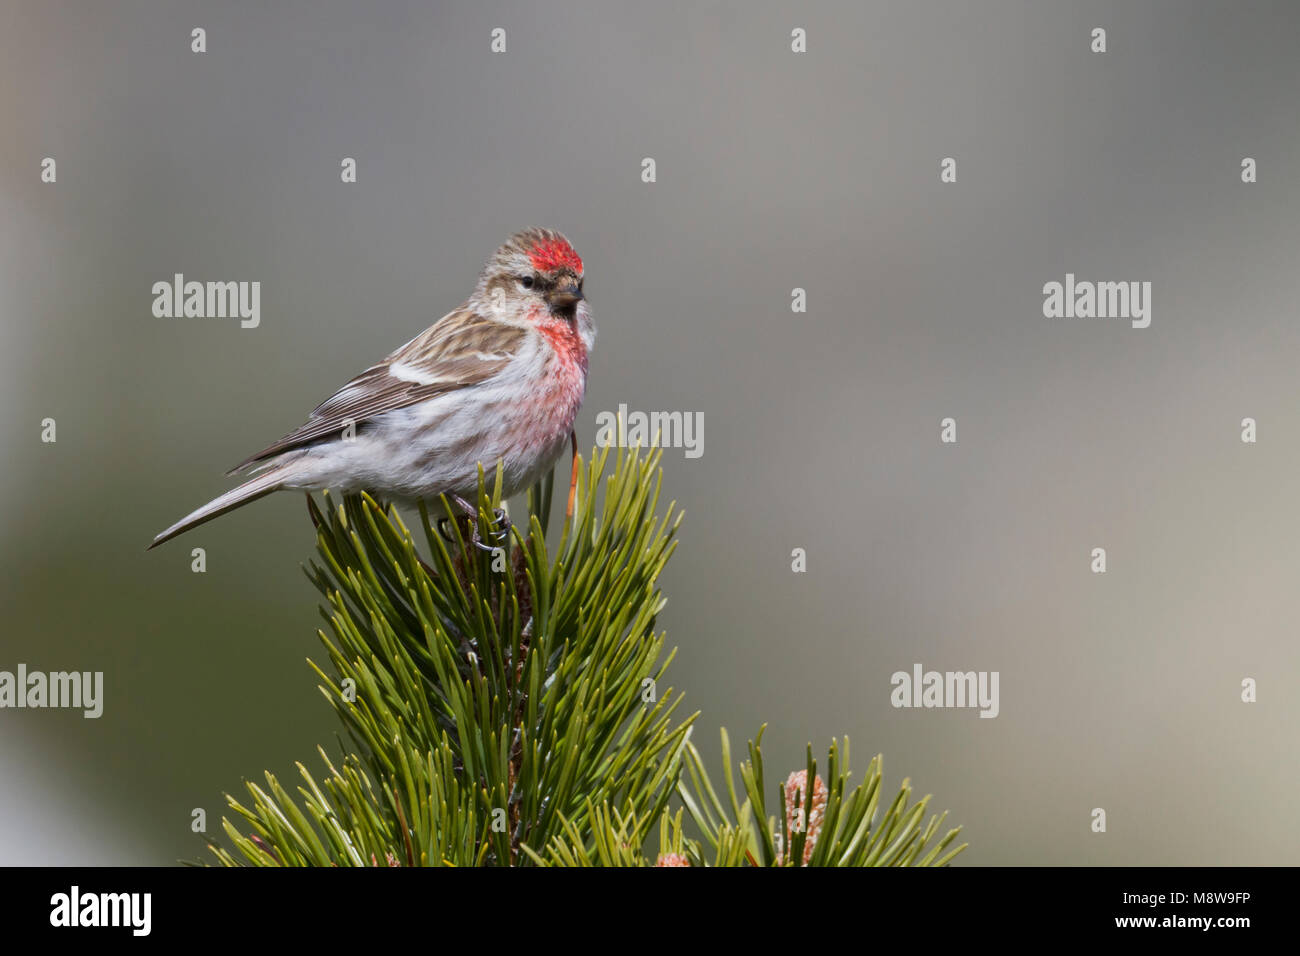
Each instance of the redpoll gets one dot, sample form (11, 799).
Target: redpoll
(499, 379)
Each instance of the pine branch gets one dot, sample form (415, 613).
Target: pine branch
(503, 706)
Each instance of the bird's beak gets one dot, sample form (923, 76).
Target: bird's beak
(564, 296)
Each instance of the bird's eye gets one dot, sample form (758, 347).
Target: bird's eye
(527, 282)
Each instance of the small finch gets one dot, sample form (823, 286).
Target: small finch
(499, 379)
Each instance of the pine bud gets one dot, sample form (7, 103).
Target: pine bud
(802, 814)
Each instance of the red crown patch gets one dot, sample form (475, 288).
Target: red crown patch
(551, 254)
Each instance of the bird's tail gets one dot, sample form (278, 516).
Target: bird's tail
(257, 487)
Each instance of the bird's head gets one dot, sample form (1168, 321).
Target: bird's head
(536, 275)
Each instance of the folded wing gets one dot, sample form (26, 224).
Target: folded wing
(461, 350)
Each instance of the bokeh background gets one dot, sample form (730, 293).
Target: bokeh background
(775, 170)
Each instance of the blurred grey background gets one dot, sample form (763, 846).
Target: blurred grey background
(775, 170)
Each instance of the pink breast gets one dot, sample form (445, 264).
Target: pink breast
(565, 377)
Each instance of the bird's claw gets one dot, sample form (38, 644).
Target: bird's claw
(499, 534)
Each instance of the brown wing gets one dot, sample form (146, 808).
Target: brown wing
(461, 350)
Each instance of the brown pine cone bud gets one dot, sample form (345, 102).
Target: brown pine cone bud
(800, 813)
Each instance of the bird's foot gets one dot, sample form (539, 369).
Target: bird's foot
(500, 526)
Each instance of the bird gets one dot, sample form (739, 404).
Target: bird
(499, 379)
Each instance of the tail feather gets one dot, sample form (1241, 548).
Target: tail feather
(251, 490)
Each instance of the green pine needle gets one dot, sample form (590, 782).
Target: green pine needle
(505, 706)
